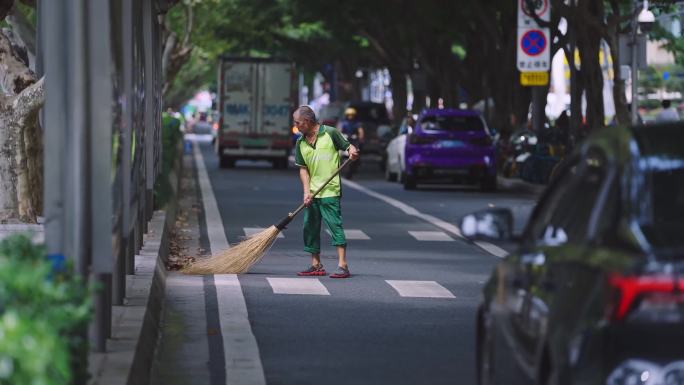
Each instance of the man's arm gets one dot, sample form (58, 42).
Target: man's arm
(305, 178)
(342, 144)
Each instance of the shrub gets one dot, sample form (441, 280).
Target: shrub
(171, 138)
(44, 314)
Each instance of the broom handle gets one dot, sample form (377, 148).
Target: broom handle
(291, 215)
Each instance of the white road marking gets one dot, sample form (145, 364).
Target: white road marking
(249, 231)
(409, 210)
(448, 227)
(420, 289)
(306, 286)
(242, 360)
(431, 236)
(353, 234)
(492, 249)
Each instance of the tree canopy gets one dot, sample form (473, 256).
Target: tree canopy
(461, 51)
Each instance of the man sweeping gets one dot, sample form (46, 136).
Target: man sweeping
(317, 155)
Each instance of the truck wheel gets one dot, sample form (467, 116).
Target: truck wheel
(227, 162)
(409, 182)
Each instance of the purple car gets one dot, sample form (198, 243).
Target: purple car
(450, 144)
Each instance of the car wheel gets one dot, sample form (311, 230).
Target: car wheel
(409, 181)
(488, 183)
(389, 175)
(485, 352)
(227, 162)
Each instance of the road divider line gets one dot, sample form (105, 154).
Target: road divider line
(431, 236)
(420, 289)
(492, 249)
(304, 286)
(409, 210)
(241, 352)
(354, 234)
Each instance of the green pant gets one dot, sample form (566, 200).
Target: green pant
(329, 210)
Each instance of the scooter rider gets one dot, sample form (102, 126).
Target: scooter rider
(354, 132)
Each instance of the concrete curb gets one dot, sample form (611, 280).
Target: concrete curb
(135, 325)
(521, 185)
(35, 232)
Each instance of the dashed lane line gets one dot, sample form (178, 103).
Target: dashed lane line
(409, 210)
(420, 289)
(303, 286)
(439, 236)
(249, 231)
(353, 234)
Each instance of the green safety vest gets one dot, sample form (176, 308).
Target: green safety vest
(322, 159)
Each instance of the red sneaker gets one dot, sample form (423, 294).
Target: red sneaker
(313, 271)
(341, 272)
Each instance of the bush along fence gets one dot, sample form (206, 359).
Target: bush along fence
(44, 314)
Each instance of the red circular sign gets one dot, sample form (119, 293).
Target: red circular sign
(533, 42)
(541, 6)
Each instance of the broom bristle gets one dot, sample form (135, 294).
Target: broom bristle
(238, 258)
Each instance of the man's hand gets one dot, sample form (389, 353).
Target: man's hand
(353, 152)
(308, 198)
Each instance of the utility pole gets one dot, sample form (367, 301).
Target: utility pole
(634, 71)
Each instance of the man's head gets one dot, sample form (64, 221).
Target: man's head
(305, 119)
(350, 113)
(666, 103)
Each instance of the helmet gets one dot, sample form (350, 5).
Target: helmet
(350, 111)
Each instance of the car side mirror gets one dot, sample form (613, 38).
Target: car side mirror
(489, 224)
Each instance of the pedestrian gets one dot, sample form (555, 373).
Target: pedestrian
(668, 113)
(317, 155)
(353, 130)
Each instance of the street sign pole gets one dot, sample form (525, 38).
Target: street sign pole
(534, 56)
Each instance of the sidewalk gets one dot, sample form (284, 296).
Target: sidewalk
(521, 185)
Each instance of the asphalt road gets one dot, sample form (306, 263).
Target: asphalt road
(361, 330)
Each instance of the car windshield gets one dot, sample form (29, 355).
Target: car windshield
(452, 123)
(661, 207)
(659, 191)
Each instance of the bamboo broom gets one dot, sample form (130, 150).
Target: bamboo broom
(242, 256)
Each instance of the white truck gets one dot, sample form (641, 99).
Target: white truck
(256, 99)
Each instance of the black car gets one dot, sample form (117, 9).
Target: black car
(595, 292)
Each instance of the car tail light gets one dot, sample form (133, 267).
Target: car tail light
(415, 139)
(652, 294)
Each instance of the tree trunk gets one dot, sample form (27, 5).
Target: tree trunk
(8, 171)
(399, 94)
(592, 78)
(621, 111)
(175, 52)
(20, 138)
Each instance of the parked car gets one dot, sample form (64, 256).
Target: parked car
(450, 144)
(395, 152)
(594, 294)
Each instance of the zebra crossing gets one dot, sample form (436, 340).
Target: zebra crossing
(403, 288)
(360, 235)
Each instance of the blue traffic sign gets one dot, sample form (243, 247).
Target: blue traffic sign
(533, 42)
